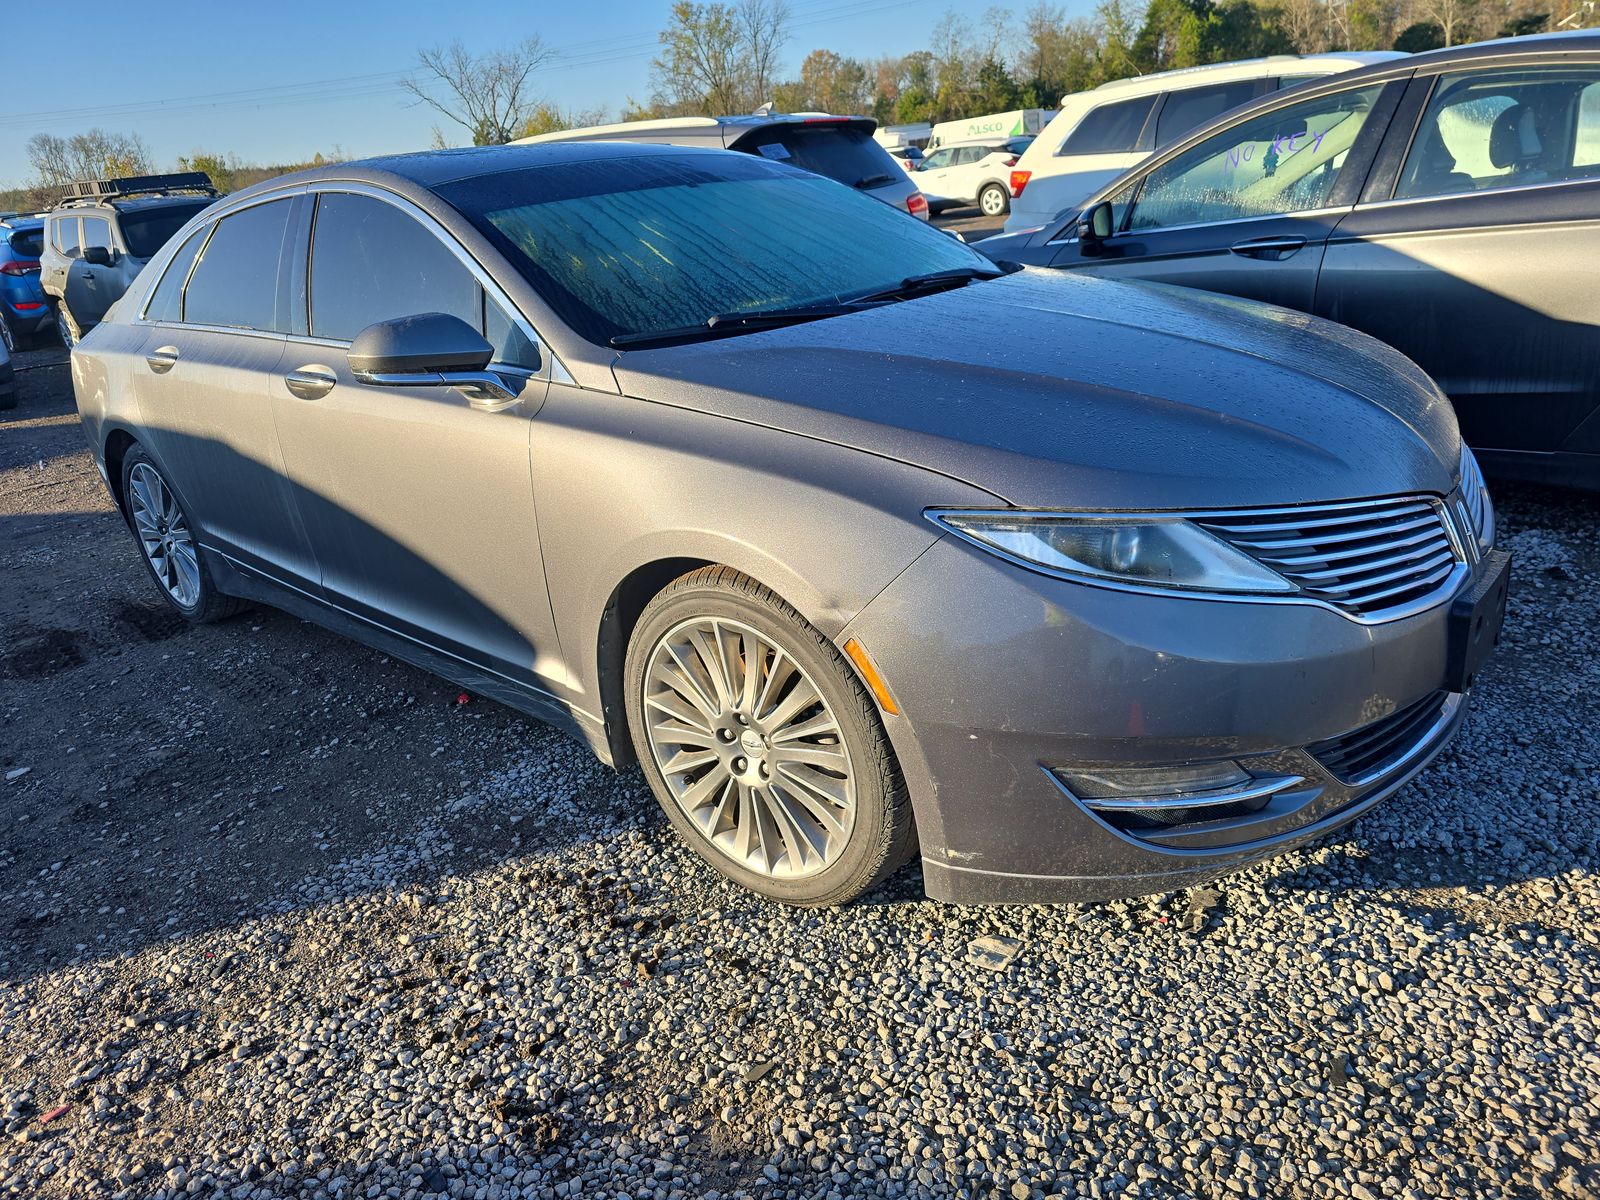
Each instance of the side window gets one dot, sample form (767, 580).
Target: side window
(371, 262)
(1109, 129)
(166, 304)
(939, 158)
(235, 283)
(66, 236)
(96, 232)
(1289, 81)
(968, 155)
(1193, 107)
(1280, 162)
(1491, 129)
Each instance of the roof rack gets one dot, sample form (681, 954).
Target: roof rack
(139, 185)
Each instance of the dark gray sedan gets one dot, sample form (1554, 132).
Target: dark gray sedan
(1447, 203)
(855, 542)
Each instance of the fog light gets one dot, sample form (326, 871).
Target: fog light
(1164, 785)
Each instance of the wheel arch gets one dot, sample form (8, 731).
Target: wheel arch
(118, 442)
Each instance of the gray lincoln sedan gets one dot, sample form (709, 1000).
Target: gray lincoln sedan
(857, 543)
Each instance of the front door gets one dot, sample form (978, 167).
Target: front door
(418, 506)
(1477, 257)
(1247, 211)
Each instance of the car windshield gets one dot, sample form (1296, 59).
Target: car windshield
(27, 243)
(651, 244)
(146, 230)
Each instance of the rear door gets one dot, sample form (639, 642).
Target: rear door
(87, 286)
(1248, 209)
(216, 324)
(1474, 250)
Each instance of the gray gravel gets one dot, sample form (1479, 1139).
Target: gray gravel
(311, 928)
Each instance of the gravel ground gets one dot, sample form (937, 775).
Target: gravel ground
(282, 917)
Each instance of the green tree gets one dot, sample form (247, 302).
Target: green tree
(219, 169)
(1424, 35)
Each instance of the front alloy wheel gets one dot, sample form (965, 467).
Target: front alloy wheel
(762, 745)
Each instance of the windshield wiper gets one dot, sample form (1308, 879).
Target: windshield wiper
(914, 285)
(736, 322)
(872, 181)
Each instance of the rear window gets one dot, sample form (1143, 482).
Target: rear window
(838, 151)
(1110, 129)
(1193, 107)
(27, 243)
(146, 230)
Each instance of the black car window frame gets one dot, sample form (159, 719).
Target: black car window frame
(489, 292)
(199, 237)
(1410, 123)
(1346, 188)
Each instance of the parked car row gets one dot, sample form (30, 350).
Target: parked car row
(1447, 204)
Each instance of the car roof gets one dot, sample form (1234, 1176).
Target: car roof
(1246, 68)
(630, 129)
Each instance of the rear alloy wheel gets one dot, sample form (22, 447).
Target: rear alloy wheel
(994, 201)
(66, 327)
(166, 540)
(761, 744)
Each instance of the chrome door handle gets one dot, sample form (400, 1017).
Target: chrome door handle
(311, 382)
(1268, 247)
(162, 359)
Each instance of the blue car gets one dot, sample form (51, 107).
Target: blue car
(22, 301)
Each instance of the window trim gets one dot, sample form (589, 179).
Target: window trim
(286, 195)
(491, 289)
(204, 233)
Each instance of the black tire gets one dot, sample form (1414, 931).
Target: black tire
(883, 835)
(993, 195)
(211, 604)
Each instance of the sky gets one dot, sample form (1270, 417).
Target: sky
(279, 81)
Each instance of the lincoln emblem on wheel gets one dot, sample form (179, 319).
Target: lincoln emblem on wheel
(672, 448)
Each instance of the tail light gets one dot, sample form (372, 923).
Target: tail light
(1019, 180)
(27, 306)
(917, 204)
(19, 267)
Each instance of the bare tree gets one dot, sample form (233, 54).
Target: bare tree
(95, 154)
(490, 95)
(699, 67)
(764, 28)
(1458, 18)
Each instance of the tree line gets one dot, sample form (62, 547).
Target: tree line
(720, 58)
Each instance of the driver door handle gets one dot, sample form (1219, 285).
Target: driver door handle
(311, 382)
(162, 359)
(1268, 247)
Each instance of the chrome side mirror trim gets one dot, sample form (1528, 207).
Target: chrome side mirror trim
(484, 390)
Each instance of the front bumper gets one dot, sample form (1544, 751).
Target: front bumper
(1002, 674)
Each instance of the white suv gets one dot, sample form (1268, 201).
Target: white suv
(1100, 133)
(970, 173)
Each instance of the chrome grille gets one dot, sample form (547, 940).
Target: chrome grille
(1369, 558)
(1373, 750)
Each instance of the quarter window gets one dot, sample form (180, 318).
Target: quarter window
(235, 283)
(1492, 129)
(370, 262)
(1110, 129)
(167, 302)
(1285, 161)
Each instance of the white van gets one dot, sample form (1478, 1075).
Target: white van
(994, 127)
(1102, 132)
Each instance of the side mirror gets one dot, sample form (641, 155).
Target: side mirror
(431, 350)
(98, 256)
(1094, 227)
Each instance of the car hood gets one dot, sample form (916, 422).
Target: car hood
(1056, 390)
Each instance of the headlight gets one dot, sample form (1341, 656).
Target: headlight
(1475, 495)
(1152, 551)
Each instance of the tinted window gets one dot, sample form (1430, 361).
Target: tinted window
(27, 243)
(1193, 107)
(1018, 145)
(66, 236)
(370, 262)
(1280, 162)
(1494, 129)
(1289, 81)
(667, 242)
(146, 230)
(1109, 129)
(167, 302)
(97, 232)
(837, 151)
(235, 283)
